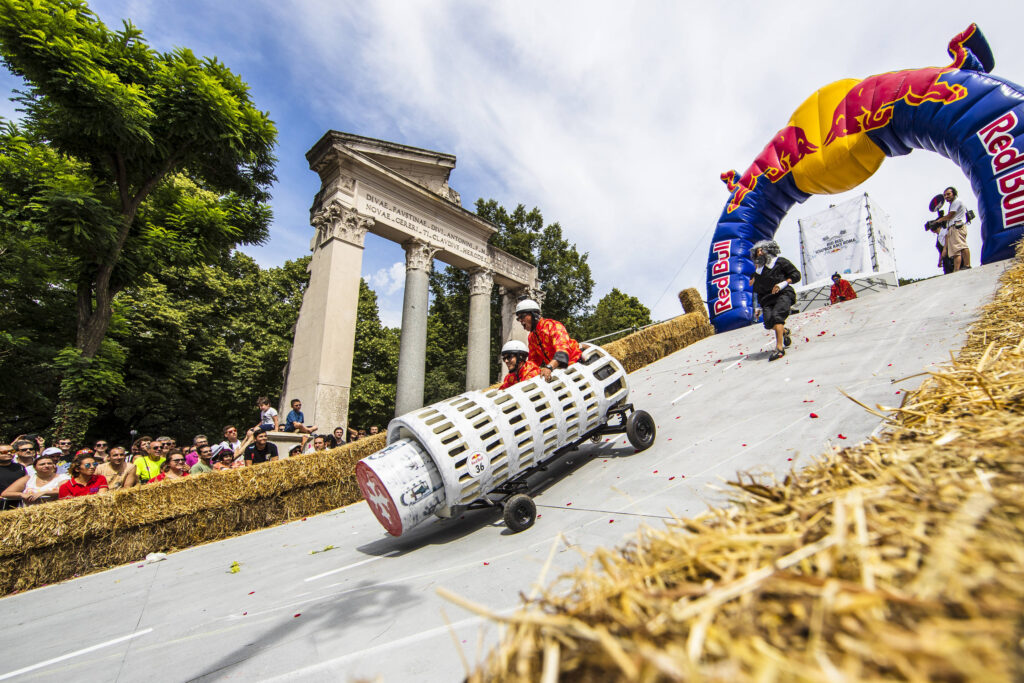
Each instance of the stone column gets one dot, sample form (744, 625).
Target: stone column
(478, 351)
(510, 328)
(412, 350)
(319, 370)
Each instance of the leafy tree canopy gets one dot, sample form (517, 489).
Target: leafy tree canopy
(616, 311)
(127, 160)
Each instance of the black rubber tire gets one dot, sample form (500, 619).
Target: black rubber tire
(520, 512)
(640, 430)
(596, 438)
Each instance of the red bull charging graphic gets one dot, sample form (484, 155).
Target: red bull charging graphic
(844, 131)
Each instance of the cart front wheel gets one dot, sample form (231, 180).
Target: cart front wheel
(520, 512)
(640, 430)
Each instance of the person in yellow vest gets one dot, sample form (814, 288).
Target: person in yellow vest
(149, 465)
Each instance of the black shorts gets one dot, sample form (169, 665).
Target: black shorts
(776, 312)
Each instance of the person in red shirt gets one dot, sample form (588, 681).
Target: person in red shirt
(551, 347)
(84, 480)
(520, 368)
(174, 467)
(841, 289)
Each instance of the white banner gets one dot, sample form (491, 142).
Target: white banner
(837, 240)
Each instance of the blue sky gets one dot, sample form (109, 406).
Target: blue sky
(615, 119)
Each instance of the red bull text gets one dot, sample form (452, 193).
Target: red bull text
(778, 157)
(722, 250)
(997, 138)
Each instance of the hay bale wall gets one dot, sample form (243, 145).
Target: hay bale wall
(56, 541)
(901, 558)
(655, 342)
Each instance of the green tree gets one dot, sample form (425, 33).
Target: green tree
(563, 272)
(616, 311)
(374, 366)
(155, 159)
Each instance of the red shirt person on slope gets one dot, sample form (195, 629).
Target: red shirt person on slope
(841, 289)
(551, 347)
(520, 368)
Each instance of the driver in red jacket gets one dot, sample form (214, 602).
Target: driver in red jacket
(514, 353)
(551, 347)
(841, 289)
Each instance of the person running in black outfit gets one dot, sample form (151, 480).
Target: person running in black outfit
(772, 282)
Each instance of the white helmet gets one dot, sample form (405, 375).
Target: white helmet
(528, 306)
(514, 346)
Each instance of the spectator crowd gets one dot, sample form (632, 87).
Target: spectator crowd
(32, 472)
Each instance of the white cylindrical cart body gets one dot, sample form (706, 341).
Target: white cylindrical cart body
(443, 457)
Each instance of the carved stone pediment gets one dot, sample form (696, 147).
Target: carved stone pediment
(337, 221)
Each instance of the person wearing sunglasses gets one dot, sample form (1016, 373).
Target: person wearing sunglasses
(173, 468)
(99, 448)
(84, 481)
(520, 368)
(550, 345)
(25, 454)
(149, 464)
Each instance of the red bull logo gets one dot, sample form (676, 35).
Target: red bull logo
(998, 137)
(722, 251)
(779, 156)
(868, 105)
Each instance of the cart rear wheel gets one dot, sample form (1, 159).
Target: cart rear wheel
(640, 430)
(596, 438)
(520, 512)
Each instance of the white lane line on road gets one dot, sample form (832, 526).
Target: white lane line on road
(686, 393)
(733, 365)
(331, 665)
(71, 655)
(353, 565)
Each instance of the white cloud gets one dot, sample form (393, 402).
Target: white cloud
(388, 281)
(616, 119)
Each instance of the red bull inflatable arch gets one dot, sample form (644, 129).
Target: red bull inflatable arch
(841, 134)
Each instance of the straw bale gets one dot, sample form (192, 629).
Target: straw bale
(655, 342)
(55, 541)
(692, 302)
(898, 558)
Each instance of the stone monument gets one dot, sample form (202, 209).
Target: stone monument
(402, 194)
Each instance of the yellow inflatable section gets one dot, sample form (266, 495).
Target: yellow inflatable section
(846, 162)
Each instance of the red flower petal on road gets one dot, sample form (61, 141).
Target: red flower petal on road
(486, 563)
(244, 613)
(743, 444)
(810, 381)
(841, 436)
(671, 478)
(297, 615)
(807, 339)
(611, 521)
(568, 503)
(251, 592)
(897, 392)
(655, 472)
(814, 415)
(789, 458)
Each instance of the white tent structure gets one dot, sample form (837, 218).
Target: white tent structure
(853, 239)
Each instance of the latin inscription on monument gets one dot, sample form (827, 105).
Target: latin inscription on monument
(391, 212)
